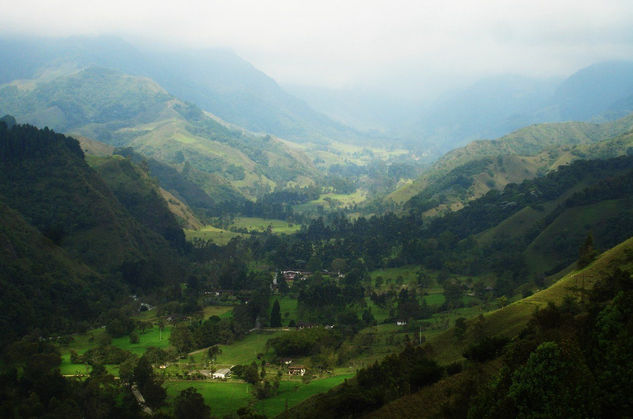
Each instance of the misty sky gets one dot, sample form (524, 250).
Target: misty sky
(358, 43)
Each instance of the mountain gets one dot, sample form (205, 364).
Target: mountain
(141, 196)
(46, 179)
(217, 81)
(124, 110)
(41, 285)
(601, 89)
(470, 171)
(495, 106)
(75, 242)
(536, 227)
(489, 108)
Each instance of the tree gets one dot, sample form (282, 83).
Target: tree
(181, 338)
(339, 265)
(214, 351)
(552, 385)
(189, 404)
(275, 315)
(453, 293)
(587, 253)
(460, 328)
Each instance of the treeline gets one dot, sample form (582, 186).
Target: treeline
(449, 244)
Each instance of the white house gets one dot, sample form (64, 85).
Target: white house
(222, 373)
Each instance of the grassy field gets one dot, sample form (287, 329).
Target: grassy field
(288, 308)
(216, 235)
(255, 224)
(84, 342)
(245, 351)
(220, 311)
(223, 398)
(331, 201)
(294, 392)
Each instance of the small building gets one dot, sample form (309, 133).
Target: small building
(285, 361)
(401, 323)
(222, 374)
(299, 370)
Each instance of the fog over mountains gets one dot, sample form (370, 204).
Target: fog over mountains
(219, 81)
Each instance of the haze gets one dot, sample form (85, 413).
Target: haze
(404, 46)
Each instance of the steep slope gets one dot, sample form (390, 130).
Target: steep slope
(124, 110)
(46, 179)
(41, 286)
(536, 227)
(524, 154)
(140, 196)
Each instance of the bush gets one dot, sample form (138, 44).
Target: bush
(486, 349)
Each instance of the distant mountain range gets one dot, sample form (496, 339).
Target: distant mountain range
(216, 80)
(489, 108)
(133, 111)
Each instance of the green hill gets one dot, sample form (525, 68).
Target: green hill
(141, 197)
(125, 110)
(46, 179)
(536, 227)
(469, 172)
(41, 286)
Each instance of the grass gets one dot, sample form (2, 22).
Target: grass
(220, 311)
(224, 398)
(245, 351)
(330, 201)
(294, 392)
(82, 343)
(216, 235)
(287, 308)
(510, 320)
(256, 224)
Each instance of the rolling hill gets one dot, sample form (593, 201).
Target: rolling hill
(216, 80)
(131, 111)
(471, 171)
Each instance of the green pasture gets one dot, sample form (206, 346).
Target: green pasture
(84, 342)
(294, 392)
(255, 224)
(245, 351)
(222, 312)
(216, 235)
(224, 398)
(288, 308)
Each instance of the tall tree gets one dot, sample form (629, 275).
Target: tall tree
(275, 315)
(587, 253)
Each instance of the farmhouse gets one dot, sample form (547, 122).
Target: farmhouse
(297, 370)
(222, 373)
